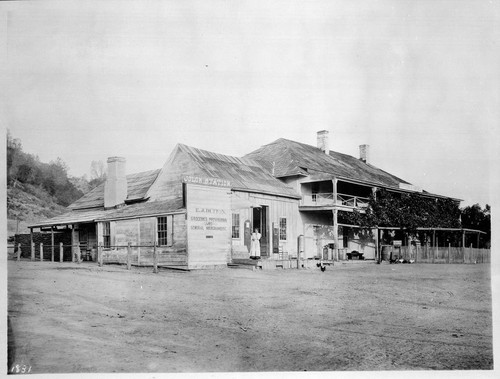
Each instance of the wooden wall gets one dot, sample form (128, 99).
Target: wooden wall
(208, 225)
(141, 233)
(278, 207)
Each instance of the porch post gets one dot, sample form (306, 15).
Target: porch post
(74, 243)
(433, 244)
(336, 234)
(52, 243)
(377, 253)
(32, 245)
(463, 243)
(334, 183)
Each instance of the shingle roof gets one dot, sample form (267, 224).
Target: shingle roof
(92, 215)
(137, 185)
(144, 209)
(73, 217)
(243, 173)
(288, 158)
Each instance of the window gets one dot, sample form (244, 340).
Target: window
(282, 228)
(235, 230)
(106, 234)
(162, 231)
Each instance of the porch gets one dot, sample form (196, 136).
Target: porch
(336, 193)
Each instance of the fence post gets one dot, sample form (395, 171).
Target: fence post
(155, 259)
(41, 251)
(99, 254)
(78, 254)
(18, 251)
(32, 251)
(475, 255)
(449, 247)
(61, 252)
(129, 252)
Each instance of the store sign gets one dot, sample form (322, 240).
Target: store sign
(216, 182)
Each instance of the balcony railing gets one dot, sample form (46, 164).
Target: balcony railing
(327, 199)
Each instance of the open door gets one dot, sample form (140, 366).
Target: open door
(260, 221)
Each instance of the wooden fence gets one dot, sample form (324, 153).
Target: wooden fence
(450, 254)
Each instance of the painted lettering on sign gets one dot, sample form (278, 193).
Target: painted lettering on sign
(207, 181)
(209, 223)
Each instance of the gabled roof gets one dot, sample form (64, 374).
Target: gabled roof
(73, 217)
(289, 158)
(92, 215)
(137, 186)
(150, 208)
(244, 174)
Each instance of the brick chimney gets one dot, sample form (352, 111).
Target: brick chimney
(322, 141)
(115, 187)
(364, 153)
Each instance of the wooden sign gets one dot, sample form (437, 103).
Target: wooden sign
(215, 182)
(208, 225)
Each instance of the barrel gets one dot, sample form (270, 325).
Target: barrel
(386, 253)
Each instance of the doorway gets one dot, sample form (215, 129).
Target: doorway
(260, 221)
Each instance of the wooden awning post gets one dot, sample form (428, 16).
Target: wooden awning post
(32, 245)
(60, 252)
(335, 235)
(433, 244)
(41, 251)
(463, 244)
(52, 243)
(99, 254)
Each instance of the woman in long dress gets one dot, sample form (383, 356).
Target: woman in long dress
(255, 244)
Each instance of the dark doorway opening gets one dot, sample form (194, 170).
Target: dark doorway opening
(260, 221)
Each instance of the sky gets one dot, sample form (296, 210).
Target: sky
(416, 80)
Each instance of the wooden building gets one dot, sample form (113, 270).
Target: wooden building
(201, 207)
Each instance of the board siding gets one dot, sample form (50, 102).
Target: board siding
(278, 207)
(145, 236)
(208, 225)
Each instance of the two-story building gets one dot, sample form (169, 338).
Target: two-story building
(201, 207)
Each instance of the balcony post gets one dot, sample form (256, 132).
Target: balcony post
(334, 183)
(335, 235)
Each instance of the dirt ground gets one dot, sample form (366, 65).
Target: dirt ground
(82, 318)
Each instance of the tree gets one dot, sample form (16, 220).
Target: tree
(97, 174)
(474, 217)
(407, 211)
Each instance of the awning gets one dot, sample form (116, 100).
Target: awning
(238, 202)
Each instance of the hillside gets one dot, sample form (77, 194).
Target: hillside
(26, 204)
(36, 190)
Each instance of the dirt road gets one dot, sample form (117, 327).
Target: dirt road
(82, 318)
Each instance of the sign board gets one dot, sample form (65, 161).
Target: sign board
(208, 225)
(215, 182)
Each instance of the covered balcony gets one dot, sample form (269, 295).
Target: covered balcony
(347, 196)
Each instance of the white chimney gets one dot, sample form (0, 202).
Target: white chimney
(115, 187)
(322, 141)
(364, 153)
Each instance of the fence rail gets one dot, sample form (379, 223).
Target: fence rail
(442, 254)
(327, 198)
(143, 255)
